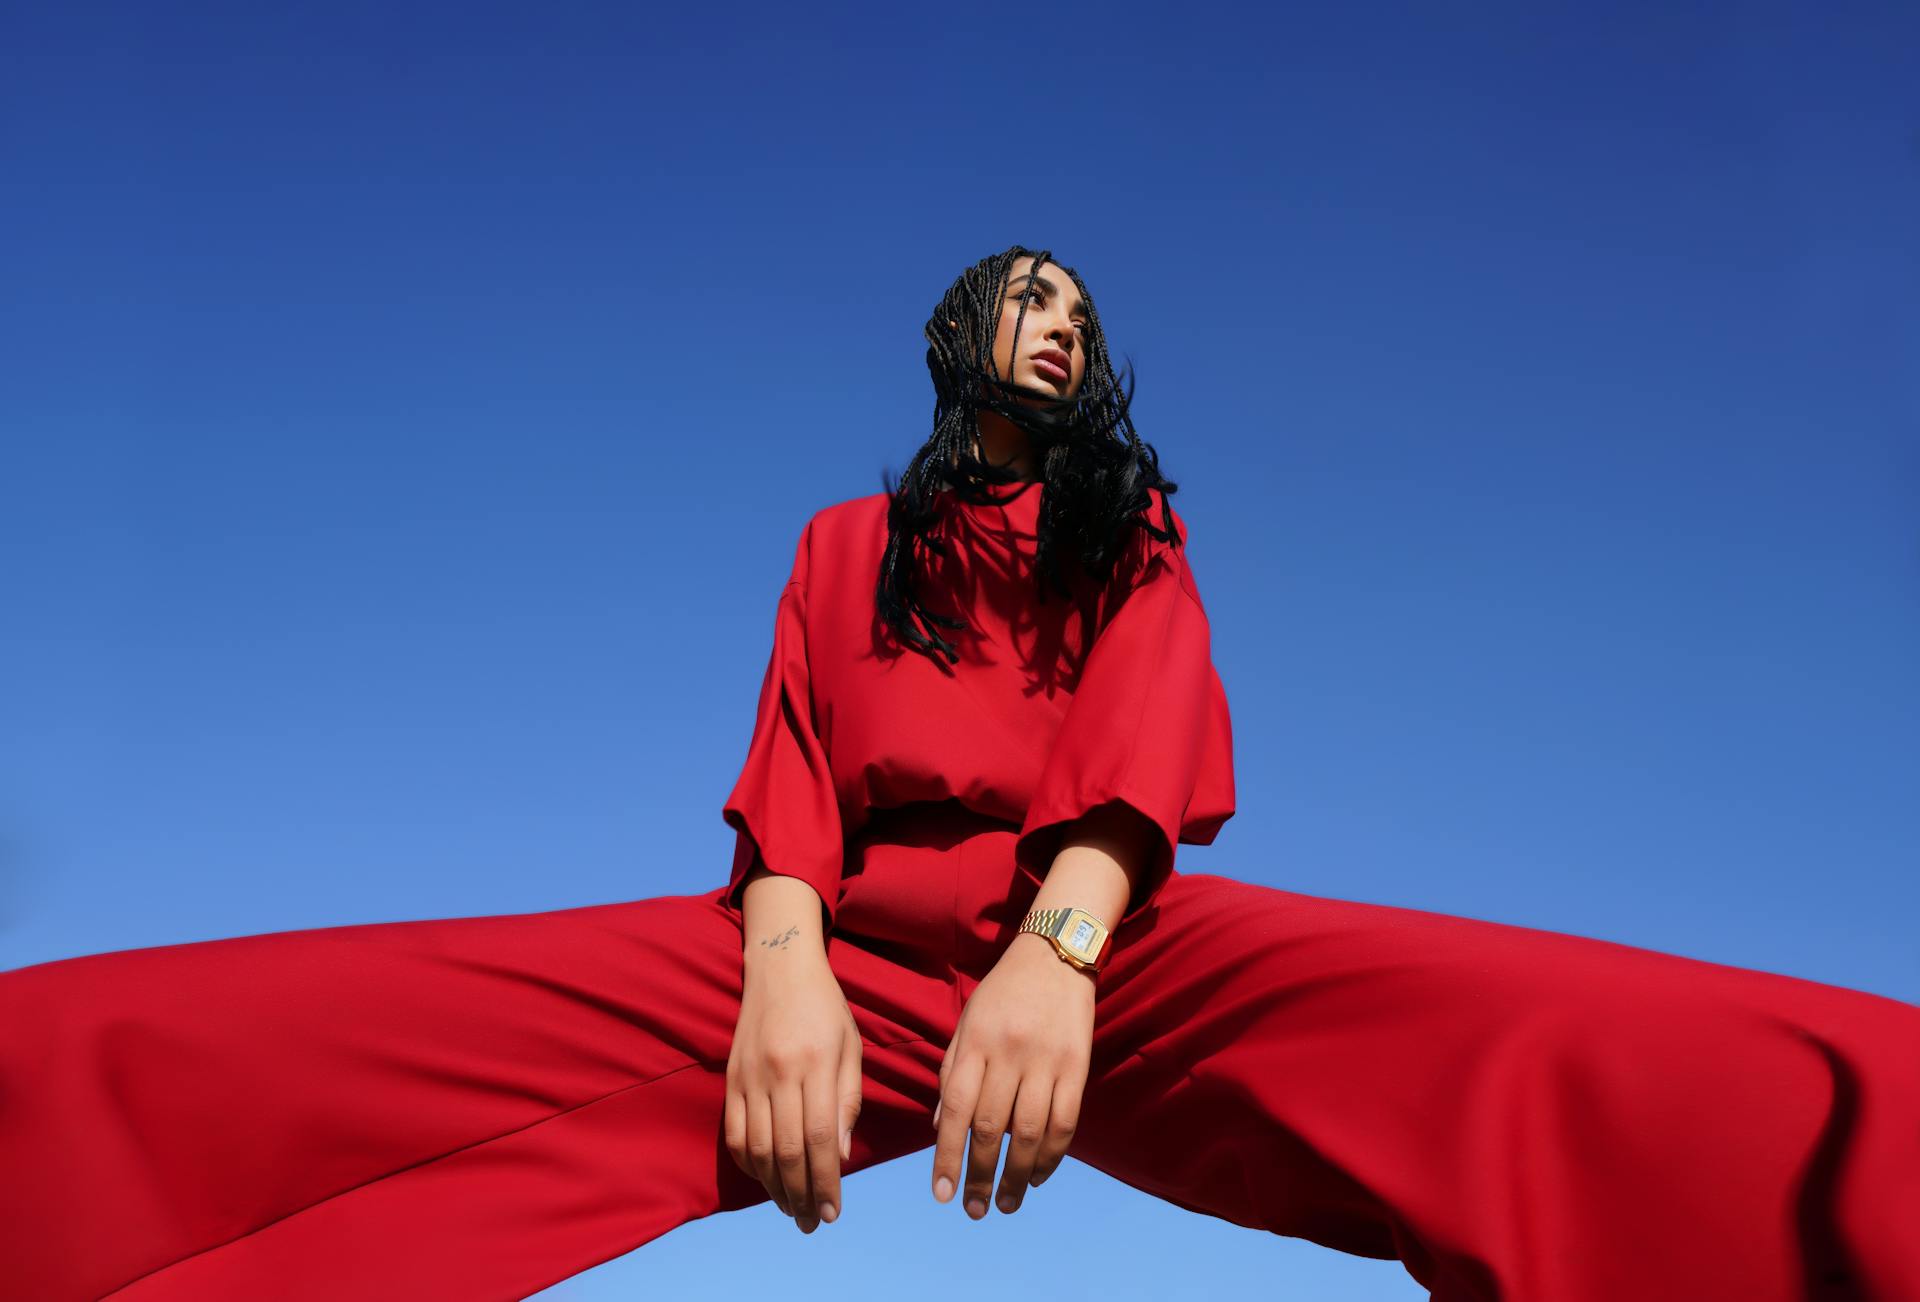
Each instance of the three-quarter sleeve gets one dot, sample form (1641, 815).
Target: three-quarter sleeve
(1148, 726)
(783, 808)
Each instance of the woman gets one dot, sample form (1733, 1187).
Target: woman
(990, 698)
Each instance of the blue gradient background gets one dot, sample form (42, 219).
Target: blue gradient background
(408, 414)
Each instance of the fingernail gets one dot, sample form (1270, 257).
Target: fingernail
(829, 1213)
(846, 1146)
(1004, 1202)
(943, 1188)
(936, 1115)
(976, 1207)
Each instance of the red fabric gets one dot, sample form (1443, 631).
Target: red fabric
(473, 1109)
(783, 804)
(1053, 708)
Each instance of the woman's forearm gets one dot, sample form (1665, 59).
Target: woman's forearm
(780, 915)
(1098, 864)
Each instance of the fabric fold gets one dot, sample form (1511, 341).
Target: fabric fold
(783, 807)
(1148, 727)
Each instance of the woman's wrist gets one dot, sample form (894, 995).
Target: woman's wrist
(780, 916)
(1031, 947)
(1099, 863)
(1088, 877)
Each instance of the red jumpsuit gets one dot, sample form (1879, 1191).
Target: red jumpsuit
(476, 1108)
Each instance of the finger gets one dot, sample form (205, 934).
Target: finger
(734, 1126)
(790, 1151)
(956, 1111)
(1024, 1135)
(947, 1060)
(850, 1080)
(760, 1148)
(1062, 1121)
(990, 1116)
(821, 1109)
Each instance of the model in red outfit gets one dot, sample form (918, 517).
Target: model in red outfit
(452, 1109)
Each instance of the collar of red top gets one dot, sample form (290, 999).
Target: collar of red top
(1013, 507)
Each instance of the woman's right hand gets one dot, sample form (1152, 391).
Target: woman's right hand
(793, 1077)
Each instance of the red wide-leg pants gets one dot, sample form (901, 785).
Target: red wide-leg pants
(476, 1108)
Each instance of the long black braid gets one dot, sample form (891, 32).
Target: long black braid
(1096, 470)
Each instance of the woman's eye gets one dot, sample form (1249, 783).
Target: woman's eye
(1039, 297)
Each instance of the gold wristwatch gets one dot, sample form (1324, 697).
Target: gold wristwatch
(1078, 937)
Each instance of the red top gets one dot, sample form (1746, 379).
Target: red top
(1030, 724)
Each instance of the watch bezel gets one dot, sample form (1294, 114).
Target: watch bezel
(1091, 954)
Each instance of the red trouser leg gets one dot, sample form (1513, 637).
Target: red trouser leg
(467, 1108)
(477, 1108)
(1518, 1115)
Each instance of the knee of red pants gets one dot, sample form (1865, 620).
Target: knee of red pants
(73, 1160)
(1540, 1100)
(1861, 1189)
(1716, 1124)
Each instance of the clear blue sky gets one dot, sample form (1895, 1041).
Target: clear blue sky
(409, 411)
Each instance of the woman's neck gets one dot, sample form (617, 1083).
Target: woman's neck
(1002, 443)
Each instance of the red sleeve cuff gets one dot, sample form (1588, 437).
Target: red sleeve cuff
(820, 873)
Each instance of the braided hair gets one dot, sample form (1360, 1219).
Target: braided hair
(1097, 472)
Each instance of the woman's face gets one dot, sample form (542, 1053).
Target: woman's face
(1052, 353)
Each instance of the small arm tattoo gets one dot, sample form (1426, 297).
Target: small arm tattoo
(780, 941)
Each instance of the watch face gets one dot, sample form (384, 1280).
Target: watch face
(1082, 936)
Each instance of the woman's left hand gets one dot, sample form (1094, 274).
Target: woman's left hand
(1017, 1065)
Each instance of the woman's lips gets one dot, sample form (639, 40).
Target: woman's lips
(1052, 370)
